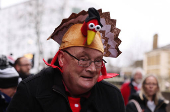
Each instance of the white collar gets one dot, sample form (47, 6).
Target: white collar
(136, 84)
(151, 105)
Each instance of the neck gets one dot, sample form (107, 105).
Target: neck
(86, 94)
(150, 98)
(76, 94)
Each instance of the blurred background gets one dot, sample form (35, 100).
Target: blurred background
(25, 26)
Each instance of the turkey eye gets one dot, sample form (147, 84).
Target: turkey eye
(98, 27)
(91, 26)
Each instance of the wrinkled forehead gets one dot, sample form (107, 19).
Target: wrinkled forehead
(78, 50)
(151, 79)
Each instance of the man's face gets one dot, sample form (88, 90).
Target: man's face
(80, 79)
(9, 91)
(25, 66)
(138, 77)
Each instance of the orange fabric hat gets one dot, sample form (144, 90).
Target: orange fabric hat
(74, 37)
(109, 33)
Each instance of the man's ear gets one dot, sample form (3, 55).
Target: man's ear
(61, 58)
(17, 67)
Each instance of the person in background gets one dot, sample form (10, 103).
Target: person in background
(150, 98)
(11, 60)
(49, 60)
(129, 88)
(8, 82)
(23, 67)
(74, 81)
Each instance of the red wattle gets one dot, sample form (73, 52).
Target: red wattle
(105, 75)
(84, 29)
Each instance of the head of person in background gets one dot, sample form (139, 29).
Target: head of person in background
(11, 60)
(9, 79)
(23, 66)
(49, 60)
(151, 89)
(137, 76)
(150, 97)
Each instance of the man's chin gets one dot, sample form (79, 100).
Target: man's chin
(87, 83)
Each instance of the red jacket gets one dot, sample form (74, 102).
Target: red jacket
(127, 89)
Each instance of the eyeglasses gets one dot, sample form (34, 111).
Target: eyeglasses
(86, 63)
(25, 64)
(151, 84)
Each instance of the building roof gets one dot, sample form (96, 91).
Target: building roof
(167, 47)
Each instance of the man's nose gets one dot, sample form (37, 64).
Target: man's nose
(92, 67)
(29, 66)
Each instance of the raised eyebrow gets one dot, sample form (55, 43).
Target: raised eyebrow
(88, 56)
(83, 54)
(99, 57)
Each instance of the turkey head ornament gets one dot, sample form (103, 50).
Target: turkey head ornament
(91, 25)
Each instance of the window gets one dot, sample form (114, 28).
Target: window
(153, 71)
(153, 60)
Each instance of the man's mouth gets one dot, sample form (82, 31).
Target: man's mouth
(86, 77)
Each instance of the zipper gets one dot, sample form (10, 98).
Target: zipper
(65, 98)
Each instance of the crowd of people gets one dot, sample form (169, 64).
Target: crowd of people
(73, 82)
(142, 93)
(10, 76)
(149, 99)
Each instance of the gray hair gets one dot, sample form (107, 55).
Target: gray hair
(138, 69)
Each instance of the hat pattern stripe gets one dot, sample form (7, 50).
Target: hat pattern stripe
(8, 73)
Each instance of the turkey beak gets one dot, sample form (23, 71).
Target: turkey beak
(90, 36)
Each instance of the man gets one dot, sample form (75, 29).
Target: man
(129, 88)
(8, 82)
(23, 66)
(73, 82)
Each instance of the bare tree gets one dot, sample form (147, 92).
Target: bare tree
(38, 18)
(31, 23)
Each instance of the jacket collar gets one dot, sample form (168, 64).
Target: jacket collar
(50, 83)
(160, 102)
(50, 78)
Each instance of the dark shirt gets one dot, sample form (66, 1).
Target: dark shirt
(24, 76)
(4, 101)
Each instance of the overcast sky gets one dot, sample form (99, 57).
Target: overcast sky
(6, 3)
(138, 20)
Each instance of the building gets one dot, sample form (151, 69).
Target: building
(157, 62)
